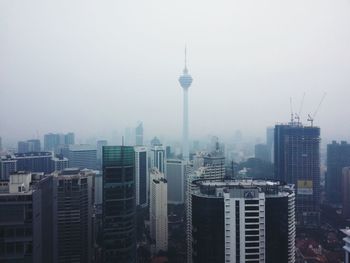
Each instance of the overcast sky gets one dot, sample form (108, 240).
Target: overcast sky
(96, 66)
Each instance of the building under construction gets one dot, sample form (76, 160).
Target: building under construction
(297, 161)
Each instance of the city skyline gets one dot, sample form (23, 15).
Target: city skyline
(233, 68)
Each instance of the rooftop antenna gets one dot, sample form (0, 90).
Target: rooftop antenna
(311, 118)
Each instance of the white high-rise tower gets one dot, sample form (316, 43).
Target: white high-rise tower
(185, 82)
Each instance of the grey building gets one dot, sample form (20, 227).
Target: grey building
(8, 165)
(34, 161)
(139, 134)
(29, 146)
(157, 157)
(175, 175)
(297, 161)
(56, 141)
(74, 211)
(141, 175)
(99, 145)
(270, 134)
(119, 205)
(82, 156)
(59, 163)
(338, 157)
(26, 228)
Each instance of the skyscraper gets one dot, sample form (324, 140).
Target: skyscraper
(175, 175)
(82, 156)
(99, 145)
(141, 175)
(297, 161)
(139, 134)
(159, 210)
(241, 221)
(158, 157)
(346, 192)
(119, 204)
(185, 81)
(270, 131)
(338, 157)
(74, 209)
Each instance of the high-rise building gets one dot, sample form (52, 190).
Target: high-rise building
(297, 161)
(345, 191)
(241, 221)
(159, 210)
(34, 162)
(119, 204)
(185, 81)
(270, 133)
(69, 138)
(74, 210)
(26, 220)
(175, 175)
(158, 157)
(0, 144)
(22, 147)
(29, 146)
(59, 163)
(141, 175)
(139, 134)
(82, 156)
(338, 157)
(262, 152)
(8, 165)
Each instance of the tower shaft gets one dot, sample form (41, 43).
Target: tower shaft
(185, 150)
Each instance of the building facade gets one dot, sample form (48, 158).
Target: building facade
(82, 156)
(175, 175)
(338, 157)
(297, 161)
(157, 157)
(141, 175)
(159, 210)
(241, 221)
(8, 165)
(119, 204)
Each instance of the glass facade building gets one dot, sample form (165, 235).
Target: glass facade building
(119, 204)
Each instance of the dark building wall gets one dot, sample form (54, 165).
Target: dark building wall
(119, 204)
(34, 162)
(297, 161)
(143, 178)
(338, 157)
(276, 218)
(208, 230)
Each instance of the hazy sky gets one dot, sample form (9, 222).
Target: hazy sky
(96, 66)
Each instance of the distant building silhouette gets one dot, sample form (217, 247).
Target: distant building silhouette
(338, 157)
(139, 134)
(262, 152)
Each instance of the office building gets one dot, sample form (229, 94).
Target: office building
(26, 220)
(34, 162)
(69, 138)
(157, 157)
(297, 161)
(345, 192)
(59, 163)
(82, 156)
(99, 145)
(141, 175)
(8, 165)
(175, 175)
(139, 134)
(262, 152)
(119, 204)
(185, 81)
(241, 221)
(270, 135)
(159, 210)
(338, 157)
(55, 141)
(74, 210)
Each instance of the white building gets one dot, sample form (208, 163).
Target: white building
(157, 157)
(159, 210)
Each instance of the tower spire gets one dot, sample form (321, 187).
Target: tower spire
(185, 69)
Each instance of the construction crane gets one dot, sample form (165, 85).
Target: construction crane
(311, 118)
(297, 115)
(291, 111)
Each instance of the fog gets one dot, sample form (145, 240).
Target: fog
(96, 67)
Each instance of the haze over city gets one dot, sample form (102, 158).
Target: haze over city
(98, 67)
